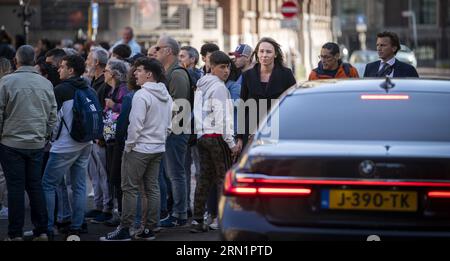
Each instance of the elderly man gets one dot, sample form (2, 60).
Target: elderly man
(179, 88)
(103, 202)
(127, 38)
(27, 116)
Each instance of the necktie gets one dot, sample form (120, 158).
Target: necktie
(386, 69)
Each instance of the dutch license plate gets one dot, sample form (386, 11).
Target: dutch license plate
(369, 200)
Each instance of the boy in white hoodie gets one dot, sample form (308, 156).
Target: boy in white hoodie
(213, 111)
(150, 123)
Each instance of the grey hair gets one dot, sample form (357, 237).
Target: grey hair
(172, 44)
(5, 66)
(25, 55)
(101, 55)
(193, 53)
(119, 70)
(70, 51)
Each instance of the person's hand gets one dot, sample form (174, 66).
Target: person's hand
(109, 103)
(128, 148)
(239, 144)
(235, 150)
(250, 138)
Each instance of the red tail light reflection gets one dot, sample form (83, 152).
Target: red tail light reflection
(439, 194)
(254, 187)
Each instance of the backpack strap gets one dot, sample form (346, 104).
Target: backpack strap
(188, 74)
(347, 68)
(60, 128)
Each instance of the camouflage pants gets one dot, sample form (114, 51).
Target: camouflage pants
(215, 160)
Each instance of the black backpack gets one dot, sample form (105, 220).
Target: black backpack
(193, 84)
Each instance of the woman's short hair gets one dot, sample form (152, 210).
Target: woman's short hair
(119, 70)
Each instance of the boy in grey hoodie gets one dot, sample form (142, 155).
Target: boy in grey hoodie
(213, 111)
(150, 124)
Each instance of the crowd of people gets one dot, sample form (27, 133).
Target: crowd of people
(160, 114)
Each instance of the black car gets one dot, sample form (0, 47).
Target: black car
(348, 159)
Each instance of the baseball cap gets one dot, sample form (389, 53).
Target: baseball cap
(242, 50)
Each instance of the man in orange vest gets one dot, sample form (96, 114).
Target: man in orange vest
(331, 66)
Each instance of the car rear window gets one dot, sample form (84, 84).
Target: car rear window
(346, 116)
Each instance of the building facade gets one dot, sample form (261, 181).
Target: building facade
(247, 21)
(191, 22)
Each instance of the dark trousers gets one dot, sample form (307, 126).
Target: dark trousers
(215, 160)
(22, 168)
(114, 151)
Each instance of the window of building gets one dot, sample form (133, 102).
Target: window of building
(64, 16)
(350, 9)
(425, 52)
(426, 11)
(174, 16)
(210, 18)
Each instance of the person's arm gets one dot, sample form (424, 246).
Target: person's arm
(366, 71)
(354, 72)
(223, 116)
(291, 82)
(52, 115)
(3, 100)
(414, 73)
(241, 109)
(117, 107)
(137, 118)
(122, 121)
(179, 85)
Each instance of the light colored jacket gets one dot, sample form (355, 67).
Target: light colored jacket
(213, 109)
(150, 116)
(27, 109)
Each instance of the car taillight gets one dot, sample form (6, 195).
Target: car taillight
(384, 97)
(439, 194)
(246, 186)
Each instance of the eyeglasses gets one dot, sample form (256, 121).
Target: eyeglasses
(325, 57)
(157, 48)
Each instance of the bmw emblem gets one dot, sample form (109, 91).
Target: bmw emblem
(367, 168)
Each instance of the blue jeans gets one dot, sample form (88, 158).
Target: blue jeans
(64, 211)
(174, 158)
(22, 170)
(74, 163)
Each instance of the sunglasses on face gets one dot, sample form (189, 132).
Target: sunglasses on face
(157, 48)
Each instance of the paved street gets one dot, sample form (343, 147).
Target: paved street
(97, 230)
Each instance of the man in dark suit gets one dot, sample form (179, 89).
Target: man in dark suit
(388, 44)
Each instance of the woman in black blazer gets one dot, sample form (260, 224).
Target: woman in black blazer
(267, 80)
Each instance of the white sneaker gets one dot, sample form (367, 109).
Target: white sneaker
(41, 237)
(4, 213)
(214, 224)
(28, 233)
